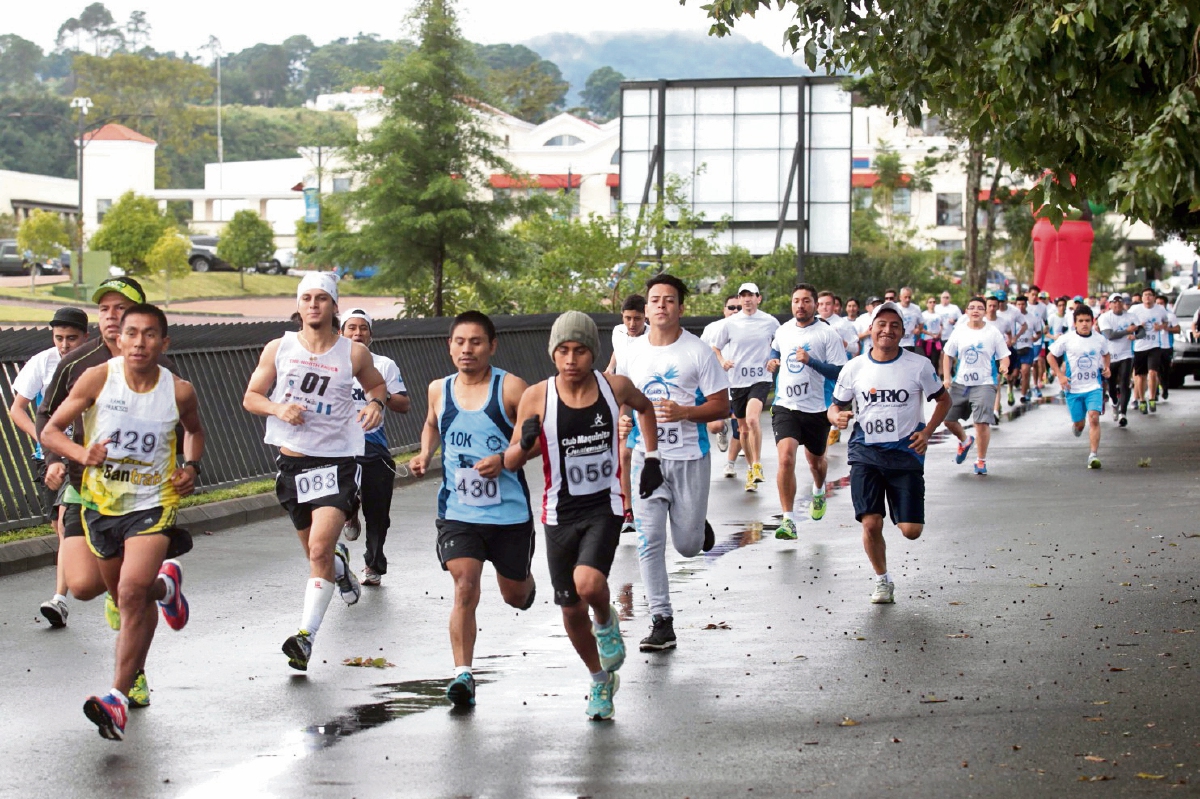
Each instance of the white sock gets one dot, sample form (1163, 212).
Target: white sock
(120, 697)
(1092, 455)
(169, 594)
(818, 491)
(788, 516)
(598, 627)
(60, 598)
(317, 594)
(885, 577)
(459, 670)
(600, 676)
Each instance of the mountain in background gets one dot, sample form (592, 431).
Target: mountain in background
(660, 55)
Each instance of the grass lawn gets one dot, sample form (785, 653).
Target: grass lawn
(16, 314)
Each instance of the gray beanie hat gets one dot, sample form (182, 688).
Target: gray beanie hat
(575, 326)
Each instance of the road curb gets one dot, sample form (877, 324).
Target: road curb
(35, 553)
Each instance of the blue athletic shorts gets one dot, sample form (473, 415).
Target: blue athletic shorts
(1024, 357)
(903, 490)
(1080, 404)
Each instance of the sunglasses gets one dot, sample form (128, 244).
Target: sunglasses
(890, 298)
(733, 307)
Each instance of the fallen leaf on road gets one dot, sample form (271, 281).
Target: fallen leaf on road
(1094, 759)
(1118, 668)
(847, 722)
(1096, 778)
(1141, 775)
(368, 662)
(718, 626)
(1126, 584)
(1182, 632)
(931, 699)
(1093, 718)
(1038, 585)
(1101, 702)
(1143, 463)
(896, 740)
(956, 603)
(959, 635)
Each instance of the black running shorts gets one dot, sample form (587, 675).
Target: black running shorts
(591, 541)
(810, 430)
(903, 489)
(307, 474)
(72, 520)
(739, 397)
(106, 535)
(508, 546)
(1146, 361)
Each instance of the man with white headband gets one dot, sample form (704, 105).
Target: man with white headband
(378, 469)
(311, 417)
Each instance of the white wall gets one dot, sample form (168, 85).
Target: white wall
(111, 168)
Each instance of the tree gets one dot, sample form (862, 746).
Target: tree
(894, 177)
(98, 23)
(342, 63)
(32, 139)
(130, 230)
(19, 61)
(309, 246)
(169, 258)
(44, 237)
(421, 205)
(1103, 90)
(258, 75)
(137, 31)
(246, 241)
(602, 93)
(8, 226)
(520, 81)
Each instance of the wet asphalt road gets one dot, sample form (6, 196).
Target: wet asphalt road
(1043, 634)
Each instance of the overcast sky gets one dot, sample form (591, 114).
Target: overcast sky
(240, 24)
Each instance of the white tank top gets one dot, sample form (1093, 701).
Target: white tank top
(140, 427)
(324, 385)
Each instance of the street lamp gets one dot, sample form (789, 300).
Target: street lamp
(83, 104)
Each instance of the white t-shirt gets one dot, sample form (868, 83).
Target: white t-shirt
(1119, 349)
(845, 330)
(621, 338)
(912, 317)
(977, 354)
(709, 334)
(33, 379)
(933, 324)
(1055, 325)
(746, 340)
(376, 438)
(1148, 317)
(1003, 323)
(950, 315)
(861, 325)
(1084, 359)
(1165, 339)
(1040, 309)
(684, 371)
(1033, 329)
(801, 387)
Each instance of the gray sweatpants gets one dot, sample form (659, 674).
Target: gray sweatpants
(683, 497)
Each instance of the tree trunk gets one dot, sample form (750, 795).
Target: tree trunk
(439, 262)
(989, 228)
(976, 276)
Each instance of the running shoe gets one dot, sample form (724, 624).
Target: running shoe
(723, 437)
(1153, 406)
(370, 577)
(1141, 406)
(609, 642)
(298, 648)
(817, 511)
(139, 692)
(662, 635)
(1012, 400)
(884, 593)
(1093, 462)
(352, 529)
(981, 468)
(175, 612)
(55, 611)
(1123, 421)
(1024, 399)
(1037, 393)
(757, 471)
(710, 537)
(109, 714)
(751, 484)
(600, 703)
(347, 584)
(786, 531)
(835, 435)
(627, 526)
(461, 690)
(1165, 392)
(1116, 414)
(1078, 431)
(111, 614)
(963, 448)
(730, 470)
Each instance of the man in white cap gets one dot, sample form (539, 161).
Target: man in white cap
(743, 347)
(378, 469)
(1119, 328)
(311, 417)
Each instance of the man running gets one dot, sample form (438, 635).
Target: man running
(572, 418)
(1147, 360)
(1024, 351)
(68, 330)
(131, 487)
(949, 314)
(1004, 323)
(378, 476)
(972, 362)
(931, 339)
(311, 417)
(483, 508)
(743, 346)
(1119, 328)
(726, 430)
(882, 393)
(1086, 354)
(633, 326)
(680, 375)
(912, 319)
(1166, 347)
(808, 355)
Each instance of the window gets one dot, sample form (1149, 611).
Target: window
(862, 198)
(949, 210)
(901, 202)
(950, 246)
(565, 140)
(102, 207)
(616, 159)
(340, 185)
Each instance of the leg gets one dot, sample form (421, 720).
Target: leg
(60, 572)
(138, 589)
(592, 587)
(319, 540)
(1094, 430)
(911, 530)
(466, 573)
(515, 592)
(785, 480)
(651, 517)
(873, 543)
(686, 484)
(378, 484)
(983, 435)
(752, 432)
(818, 467)
(626, 482)
(81, 569)
(956, 429)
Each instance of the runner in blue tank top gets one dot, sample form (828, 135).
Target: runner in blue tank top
(483, 509)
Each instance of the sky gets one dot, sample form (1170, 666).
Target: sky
(184, 27)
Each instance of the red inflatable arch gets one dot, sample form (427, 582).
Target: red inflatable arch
(1061, 257)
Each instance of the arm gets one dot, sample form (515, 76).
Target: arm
(626, 394)
(611, 369)
(512, 390)
(431, 437)
(527, 429)
(920, 439)
(947, 368)
(82, 396)
(840, 414)
(1055, 367)
(19, 413)
(726, 365)
(184, 478)
(373, 385)
(829, 371)
(255, 399)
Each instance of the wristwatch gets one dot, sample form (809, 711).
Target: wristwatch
(194, 464)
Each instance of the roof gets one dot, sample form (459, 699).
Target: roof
(538, 181)
(114, 131)
(867, 180)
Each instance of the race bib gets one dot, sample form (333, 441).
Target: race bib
(475, 490)
(759, 372)
(316, 483)
(879, 430)
(589, 474)
(670, 435)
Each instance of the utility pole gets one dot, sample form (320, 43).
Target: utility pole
(83, 104)
(214, 47)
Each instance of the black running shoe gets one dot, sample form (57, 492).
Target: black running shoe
(710, 538)
(662, 635)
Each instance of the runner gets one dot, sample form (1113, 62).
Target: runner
(1086, 354)
(746, 339)
(1166, 347)
(852, 309)
(827, 303)
(681, 376)
(377, 479)
(912, 319)
(1025, 352)
(1004, 323)
(931, 340)
(863, 327)
(722, 429)
(483, 508)
(1147, 359)
(132, 484)
(633, 326)
(68, 330)
(1119, 328)
(1058, 321)
(972, 362)
(883, 393)
(311, 417)
(1040, 308)
(811, 354)
(572, 419)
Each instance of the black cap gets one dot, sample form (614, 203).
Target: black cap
(873, 299)
(69, 316)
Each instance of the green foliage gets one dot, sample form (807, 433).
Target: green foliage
(97, 23)
(43, 235)
(333, 222)
(246, 241)
(1148, 264)
(520, 81)
(130, 230)
(344, 63)
(8, 226)
(893, 177)
(19, 61)
(602, 94)
(1107, 247)
(1017, 219)
(37, 141)
(169, 256)
(259, 75)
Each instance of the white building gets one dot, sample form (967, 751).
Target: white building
(116, 159)
(22, 193)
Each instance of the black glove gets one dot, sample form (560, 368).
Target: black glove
(651, 477)
(530, 430)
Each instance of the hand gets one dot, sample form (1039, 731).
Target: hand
(531, 429)
(624, 427)
(371, 416)
(1107, 372)
(801, 355)
(56, 474)
(1064, 383)
(651, 479)
(290, 412)
(96, 454)
(668, 411)
(490, 467)
(726, 365)
(843, 418)
(920, 440)
(772, 365)
(418, 464)
(184, 480)
(947, 383)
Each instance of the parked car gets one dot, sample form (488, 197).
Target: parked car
(356, 273)
(1186, 360)
(13, 262)
(279, 263)
(203, 257)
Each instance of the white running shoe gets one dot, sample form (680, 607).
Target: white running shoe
(723, 437)
(884, 593)
(55, 611)
(352, 529)
(730, 470)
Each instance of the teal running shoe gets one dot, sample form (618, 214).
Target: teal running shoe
(461, 691)
(610, 643)
(600, 704)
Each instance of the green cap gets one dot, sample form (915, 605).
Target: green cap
(125, 286)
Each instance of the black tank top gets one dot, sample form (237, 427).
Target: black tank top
(584, 476)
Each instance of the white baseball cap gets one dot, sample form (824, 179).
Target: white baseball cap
(886, 306)
(321, 281)
(1115, 296)
(748, 287)
(358, 313)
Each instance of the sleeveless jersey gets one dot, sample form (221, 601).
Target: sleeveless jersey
(136, 475)
(324, 385)
(579, 456)
(467, 437)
